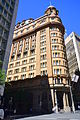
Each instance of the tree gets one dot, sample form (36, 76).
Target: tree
(2, 75)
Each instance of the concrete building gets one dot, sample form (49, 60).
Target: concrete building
(38, 49)
(72, 43)
(8, 12)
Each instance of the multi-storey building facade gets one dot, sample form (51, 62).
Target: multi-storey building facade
(72, 43)
(38, 49)
(8, 12)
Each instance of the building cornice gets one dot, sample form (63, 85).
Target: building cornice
(48, 24)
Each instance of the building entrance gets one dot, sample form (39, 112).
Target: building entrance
(60, 100)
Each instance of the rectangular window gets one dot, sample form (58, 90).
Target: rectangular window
(18, 56)
(11, 10)
(44, 64)
(23, 76)
(23, 69)
(5, 13)
(57, 71)
(6, 34)
(24, 62)
(53, 34)
(17, 63)
(10, 72)
(7, 25)
(56, 55)
(32, 60)
(53, 55)
(9, 79)
(11, 65)
(1, 9)
(16, 71)
(3, 2)
(9, 17)
(54, 71)
(3, 44)
(7, 6)
(57, 62)
(1, 30)
(3, 21)
(32, 67)
(16, 77)
(31, 75)
(12, 3)
(54, 63)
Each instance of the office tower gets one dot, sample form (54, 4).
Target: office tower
(8, 12)
(72, 43)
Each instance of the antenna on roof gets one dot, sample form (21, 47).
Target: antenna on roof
(50, 3)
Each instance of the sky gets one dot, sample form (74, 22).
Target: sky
(69, 12)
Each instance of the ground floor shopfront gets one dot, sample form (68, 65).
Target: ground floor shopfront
(35, 96)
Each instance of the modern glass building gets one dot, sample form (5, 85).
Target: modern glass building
(72, 43)
(8, 12)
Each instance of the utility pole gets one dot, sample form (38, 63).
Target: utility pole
(73, 108)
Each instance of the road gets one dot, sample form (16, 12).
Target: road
(57, 116)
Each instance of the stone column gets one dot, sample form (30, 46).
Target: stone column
(48, 50)
(11, 52)
(29, 46)
(23, 41)
(64, 101)
(67, 101)
(17, 51)
(56, 102)
(52, 96)
(38, 72)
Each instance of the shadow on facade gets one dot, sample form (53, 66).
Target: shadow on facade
(76, 94)
(29, 96)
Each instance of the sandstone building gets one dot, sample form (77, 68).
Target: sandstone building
(38, 49)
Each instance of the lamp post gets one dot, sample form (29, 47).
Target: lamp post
(73, 108)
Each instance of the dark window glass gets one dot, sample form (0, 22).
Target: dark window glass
(9, 17)
(3, 21)
(1, 30)
(5, 13)
(1, 9)
(3, 2)
(3, 44)
(11, 10)
(7, 6)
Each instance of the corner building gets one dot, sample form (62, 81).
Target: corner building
(38, 50)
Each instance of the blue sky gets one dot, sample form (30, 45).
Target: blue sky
(69, 11)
